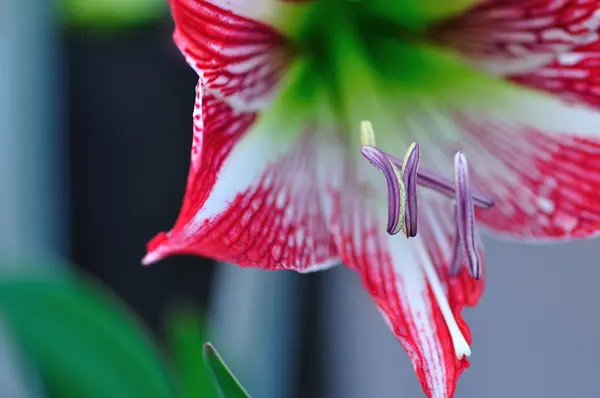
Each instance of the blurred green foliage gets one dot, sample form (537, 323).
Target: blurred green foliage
(86, 343)
(110, 14)
(226, 382)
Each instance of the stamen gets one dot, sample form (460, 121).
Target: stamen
(402, 177)
(410, 167)
(395, 186)
(461, 347)
(456, 259)
(367, 134)
(430, 179)
(465, 215)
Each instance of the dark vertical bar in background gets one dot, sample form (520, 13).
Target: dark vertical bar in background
(131, 99)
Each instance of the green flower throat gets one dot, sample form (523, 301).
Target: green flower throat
(360, 53)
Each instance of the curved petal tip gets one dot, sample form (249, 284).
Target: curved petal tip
(155, 251)
(151, 258)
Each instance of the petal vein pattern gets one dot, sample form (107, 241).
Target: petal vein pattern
(238, 59)
(536, 155)
(515, 36)
(251, 198)
(394, 271)
(575, 75)
(545, 186)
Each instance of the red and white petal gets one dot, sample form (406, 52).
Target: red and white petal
(536, 155)
(574, 75)
(239, 59)
(515, 36)
(251, 197)
(266, 11)
(408, 278)
(544, 185)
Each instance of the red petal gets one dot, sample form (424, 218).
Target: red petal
(392, 271)
(250, 199)
(238, 59)
(513, 36)
(536, 155)
(575, 75)
(544, 186)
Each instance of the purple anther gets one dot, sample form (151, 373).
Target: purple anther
(456, 259)
(395, 186)
(465, 216)
(429, 179)
(410, 167)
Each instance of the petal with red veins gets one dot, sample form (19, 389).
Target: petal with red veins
(251, 197)
(536, 155)
(266, 11)
(409, 278)
(515, 36)
(575, 75)
(543, 185)
(238, 59)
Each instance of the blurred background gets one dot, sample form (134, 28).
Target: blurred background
(95, 133)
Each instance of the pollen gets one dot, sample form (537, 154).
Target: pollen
(367, 134)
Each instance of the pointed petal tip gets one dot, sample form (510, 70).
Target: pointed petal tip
(155, 250)
(150, 258)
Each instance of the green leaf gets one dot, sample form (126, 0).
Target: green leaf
(112, 13)
(228, 385)
(185, 337)
(83, 340)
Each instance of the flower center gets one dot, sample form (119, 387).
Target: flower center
(364, 65)
(342, 41)
(354, 65)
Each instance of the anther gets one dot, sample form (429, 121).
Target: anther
(456, 259)
(410, 167)
(429, 179)
(395, 186)
(465, 216)
(402, 177)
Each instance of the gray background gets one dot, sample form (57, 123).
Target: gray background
(534, 331)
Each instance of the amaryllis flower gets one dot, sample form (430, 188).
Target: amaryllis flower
(478, 110)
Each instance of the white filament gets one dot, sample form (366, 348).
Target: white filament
(461, 347)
